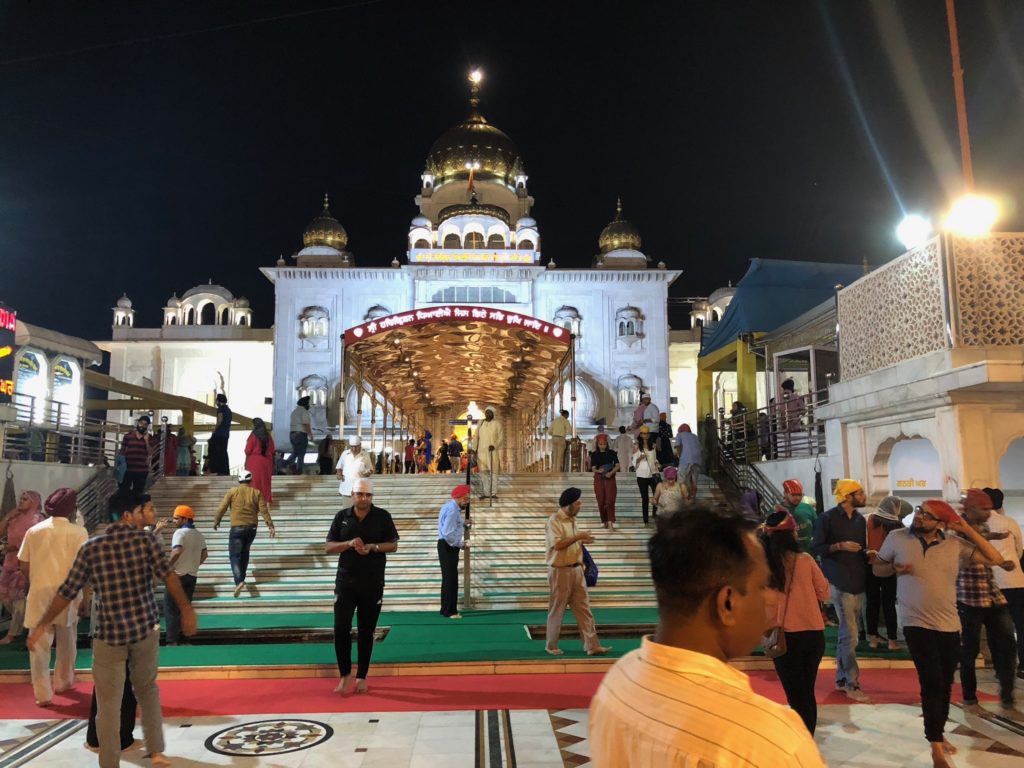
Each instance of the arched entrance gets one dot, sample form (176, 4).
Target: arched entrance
(908, 467)
(423, 367)
(1011, 478)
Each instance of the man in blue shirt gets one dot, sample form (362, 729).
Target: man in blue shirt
(451, 537)
(840, 540)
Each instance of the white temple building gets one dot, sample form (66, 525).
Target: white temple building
(472, 244)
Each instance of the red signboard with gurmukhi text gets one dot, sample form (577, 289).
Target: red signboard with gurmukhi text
(8, 324)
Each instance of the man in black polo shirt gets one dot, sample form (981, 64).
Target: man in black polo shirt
(840, 540)
(360, 535)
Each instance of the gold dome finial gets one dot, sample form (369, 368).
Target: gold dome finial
(619, 234)
(475, 78)
(325, 230)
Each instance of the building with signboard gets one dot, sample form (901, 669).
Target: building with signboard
(472, 313)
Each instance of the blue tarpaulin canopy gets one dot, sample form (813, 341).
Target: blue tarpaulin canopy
(773, 292)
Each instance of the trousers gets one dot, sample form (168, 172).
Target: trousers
(567, 589)
(240, 540)
(881, 595)
(449, 559)
(935, 655)
(63, 666)
(108, 669)
(363, 600)
(172, 614)
(605, 490)
(797, 669)
(557, 453)
(128, 707)
(647, 486)
(999, 629)
(848, 607)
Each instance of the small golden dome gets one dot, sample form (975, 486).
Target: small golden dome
(325, 230)
(619, 233)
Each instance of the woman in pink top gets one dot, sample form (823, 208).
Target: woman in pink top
(801, 586)
(13, 584)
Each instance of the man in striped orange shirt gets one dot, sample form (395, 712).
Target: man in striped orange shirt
(675, 700)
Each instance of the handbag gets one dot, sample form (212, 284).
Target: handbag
(589, 569)
(774, 640)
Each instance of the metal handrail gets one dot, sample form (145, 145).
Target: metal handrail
(778, 431)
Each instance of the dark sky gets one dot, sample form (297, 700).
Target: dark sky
(148, 147)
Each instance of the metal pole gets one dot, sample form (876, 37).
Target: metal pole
(467, 566)
(958, 92)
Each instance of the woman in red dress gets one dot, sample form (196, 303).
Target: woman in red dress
(259, 458)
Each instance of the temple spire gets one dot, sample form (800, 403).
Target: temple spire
(475, 78)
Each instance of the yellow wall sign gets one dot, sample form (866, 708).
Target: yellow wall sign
(441, 256)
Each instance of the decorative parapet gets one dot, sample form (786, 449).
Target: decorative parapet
(988, 290)
(893, 314)
(951, 292)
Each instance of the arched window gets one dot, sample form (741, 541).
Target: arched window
(225, 316)
(314, 325)
(495, 241)
(474, 240)
(421, 243)
(315, 388)
(67, 391)
(208, 314)
(629, 324)
(243, 320)
(190, 316)
(569, 318)
(715, 317)
(628, 390)
(173, 320)
(452, 241)
(32, 375)
(526, 245)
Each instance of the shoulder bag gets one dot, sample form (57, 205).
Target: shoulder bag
(774, 640)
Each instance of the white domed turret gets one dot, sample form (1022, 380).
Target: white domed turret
(242, 302)
(526, 221)
(174, 301)
(420, 221)
(123, 312)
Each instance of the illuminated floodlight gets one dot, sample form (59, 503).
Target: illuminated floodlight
(476, 76)
(913, 231)
(972, 216)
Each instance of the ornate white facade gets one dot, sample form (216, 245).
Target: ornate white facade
(474, 242)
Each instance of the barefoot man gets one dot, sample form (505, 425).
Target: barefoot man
(360, 536)
(927, 561)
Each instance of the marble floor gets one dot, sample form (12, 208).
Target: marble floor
(865, 736)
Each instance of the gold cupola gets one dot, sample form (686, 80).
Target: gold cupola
(619, 234)
(325, 230)
(474, 144)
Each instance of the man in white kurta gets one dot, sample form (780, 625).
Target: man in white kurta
(46, 555)
(353, 464)
(489, 439)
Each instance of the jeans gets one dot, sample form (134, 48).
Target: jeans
(172, 614)
(1015, 598)
(797, 669)
(848, 607)
(935, 655)
(999, 628)
(128, 707)
(239, 543)
(363, 600)
(881, 595)
(449, 559)
(300, 441)
(108, 669)
(647, 485)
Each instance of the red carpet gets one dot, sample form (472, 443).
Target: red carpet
(199, 698)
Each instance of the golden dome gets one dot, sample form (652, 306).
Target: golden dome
(474, 142)
(325, 230)
(619, 233)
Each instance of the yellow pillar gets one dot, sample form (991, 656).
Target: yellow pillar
(746, 376)
(705, 394)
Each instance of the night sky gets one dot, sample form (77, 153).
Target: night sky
(148, 147)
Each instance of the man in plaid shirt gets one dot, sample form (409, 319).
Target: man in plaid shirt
(122, 564)
(979, 602)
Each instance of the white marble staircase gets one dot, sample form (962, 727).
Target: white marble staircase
(292, 573)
